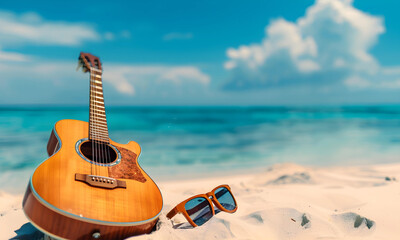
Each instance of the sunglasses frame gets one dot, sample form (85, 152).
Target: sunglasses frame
(180, 208)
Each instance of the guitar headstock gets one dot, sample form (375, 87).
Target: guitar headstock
(88, 61)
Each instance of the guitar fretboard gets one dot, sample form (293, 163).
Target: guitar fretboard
(98, 129)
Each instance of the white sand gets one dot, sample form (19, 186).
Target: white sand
(284, 202)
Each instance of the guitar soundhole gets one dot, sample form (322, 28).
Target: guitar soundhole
(98, 152)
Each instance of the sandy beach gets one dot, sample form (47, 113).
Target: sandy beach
(286, 201)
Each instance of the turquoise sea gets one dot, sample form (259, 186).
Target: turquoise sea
(179, 142)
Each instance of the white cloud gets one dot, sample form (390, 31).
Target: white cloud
(58, 82)
(307, 66)
(177, 36)
(125, 77)
(356, 81)
(179, 74)
(328, 46)
(13, 57)
(125, 34)
(30, 28)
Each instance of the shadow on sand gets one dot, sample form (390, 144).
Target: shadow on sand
(28, 232)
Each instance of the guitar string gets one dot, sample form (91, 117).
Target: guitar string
(99, 132)
(98, 145)
(91, 122)
(92, 128)
(108, 138)
(106, 151)
(92, 73)
(102, 145)
(98, 142)
(95, 122)
(106, 145)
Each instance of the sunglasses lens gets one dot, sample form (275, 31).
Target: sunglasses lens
(225, 198)
(199, 210)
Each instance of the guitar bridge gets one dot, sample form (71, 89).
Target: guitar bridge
(100, 181)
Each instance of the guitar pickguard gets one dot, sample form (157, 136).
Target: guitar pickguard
(128, 167)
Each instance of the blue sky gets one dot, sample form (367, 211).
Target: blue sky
(203, 52)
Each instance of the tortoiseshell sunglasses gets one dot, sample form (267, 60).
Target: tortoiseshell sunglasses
(199, 209)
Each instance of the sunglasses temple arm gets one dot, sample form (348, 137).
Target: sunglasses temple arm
(172, 213)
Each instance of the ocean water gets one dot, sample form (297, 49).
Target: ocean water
(193, 141)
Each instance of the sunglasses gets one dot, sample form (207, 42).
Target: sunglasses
(199, 209)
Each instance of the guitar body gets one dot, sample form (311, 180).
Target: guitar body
(62, 203)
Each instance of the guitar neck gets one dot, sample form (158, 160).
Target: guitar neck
(98, 129)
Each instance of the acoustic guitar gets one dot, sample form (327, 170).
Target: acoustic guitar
(91, 187)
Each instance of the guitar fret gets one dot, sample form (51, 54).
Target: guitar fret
(98, 136)
(98, 120)
(95, 70)
(97, 87)
(100, 139)
(96, 81)
(99, 128)
(97, 102)
(98, 110)
(103, 138)
(99, 133)
(93, 83)
(97, 106)
(99, 97)
(99, 117)
(95, 92)
(94, 131)
(101, 114)
(98, 123)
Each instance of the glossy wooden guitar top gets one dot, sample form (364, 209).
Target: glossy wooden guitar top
(54, 180)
